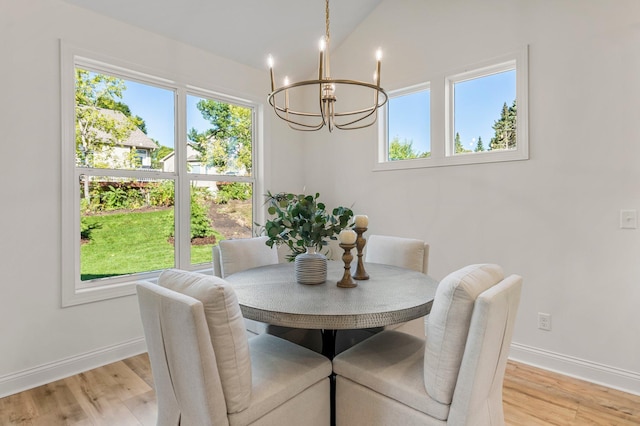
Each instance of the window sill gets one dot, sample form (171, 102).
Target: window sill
(111, 290)
(457, 160)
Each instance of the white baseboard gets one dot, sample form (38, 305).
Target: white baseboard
(616, 378)
(626, 381)
(50, 372)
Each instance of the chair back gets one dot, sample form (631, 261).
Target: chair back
(185, 374)
(448, 326)
(217, 266)
(477, 399)
(243, 253)
(397, 251)
(226, 330)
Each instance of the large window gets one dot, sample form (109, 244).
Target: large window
(481, 117)
(154, 174)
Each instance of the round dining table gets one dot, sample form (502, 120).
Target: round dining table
(391, 295)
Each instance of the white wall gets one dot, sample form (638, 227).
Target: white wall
(38, 339)
(552, 219)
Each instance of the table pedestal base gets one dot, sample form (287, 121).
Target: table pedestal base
(329, 350)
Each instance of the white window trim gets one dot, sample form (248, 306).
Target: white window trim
(74, 291)
(442, 139)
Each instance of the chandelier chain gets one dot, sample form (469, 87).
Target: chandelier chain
(327, 19)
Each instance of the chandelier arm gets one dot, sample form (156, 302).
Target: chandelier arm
(368, 111)
(302, 126)
(327, 112)
(322, 106)
(331, 115)
(350, 124)
(347, 125)
(329, 81)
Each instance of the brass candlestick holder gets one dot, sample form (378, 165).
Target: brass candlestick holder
(360, 274)
(347, 257)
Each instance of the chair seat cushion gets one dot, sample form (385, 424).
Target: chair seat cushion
(391, 363)
(280, 371)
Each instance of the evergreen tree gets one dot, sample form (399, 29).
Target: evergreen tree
(505, 129)
(479, 146)
(458, 145)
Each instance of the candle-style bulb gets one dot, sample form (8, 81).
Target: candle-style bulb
(323, 44)
(286, 81)
(378, 54)
(270, 61)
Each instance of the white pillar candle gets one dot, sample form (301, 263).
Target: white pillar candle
(347, 236)
(362, 221)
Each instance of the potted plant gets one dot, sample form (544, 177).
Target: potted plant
(302, 223)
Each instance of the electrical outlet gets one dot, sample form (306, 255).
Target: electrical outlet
(544, 321)
(628, 219)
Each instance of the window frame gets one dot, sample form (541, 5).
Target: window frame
(442, 117)
(74, 290)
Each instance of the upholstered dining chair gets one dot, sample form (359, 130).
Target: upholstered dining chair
(406, 253)
(206, 371)
(236, 255)
(454, 377)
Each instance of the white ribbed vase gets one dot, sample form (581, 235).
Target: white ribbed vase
(311, 267)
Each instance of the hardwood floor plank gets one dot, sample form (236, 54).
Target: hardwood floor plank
(140, 365)
(591, 416)
(57, 405)
(93, 391)
(121, 394)
(144, 407)
(18, 409)
(124, 381)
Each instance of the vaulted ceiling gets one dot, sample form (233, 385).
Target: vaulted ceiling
(246, 31)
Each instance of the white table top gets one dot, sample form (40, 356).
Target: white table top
(392, 295)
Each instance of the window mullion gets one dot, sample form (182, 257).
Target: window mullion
(182, 197)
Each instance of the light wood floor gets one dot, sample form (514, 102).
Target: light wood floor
(121, 394)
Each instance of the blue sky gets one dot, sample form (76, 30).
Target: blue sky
(156, 106)
(478, 104)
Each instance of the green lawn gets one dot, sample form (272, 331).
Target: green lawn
(126, 243)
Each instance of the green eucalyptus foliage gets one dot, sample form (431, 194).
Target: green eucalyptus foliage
(301, 221)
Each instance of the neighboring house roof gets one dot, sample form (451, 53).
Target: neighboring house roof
(137, 138)
(192, 154)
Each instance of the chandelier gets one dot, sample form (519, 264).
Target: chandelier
(362, 114)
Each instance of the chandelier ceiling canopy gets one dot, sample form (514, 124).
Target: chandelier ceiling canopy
(288, 100)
